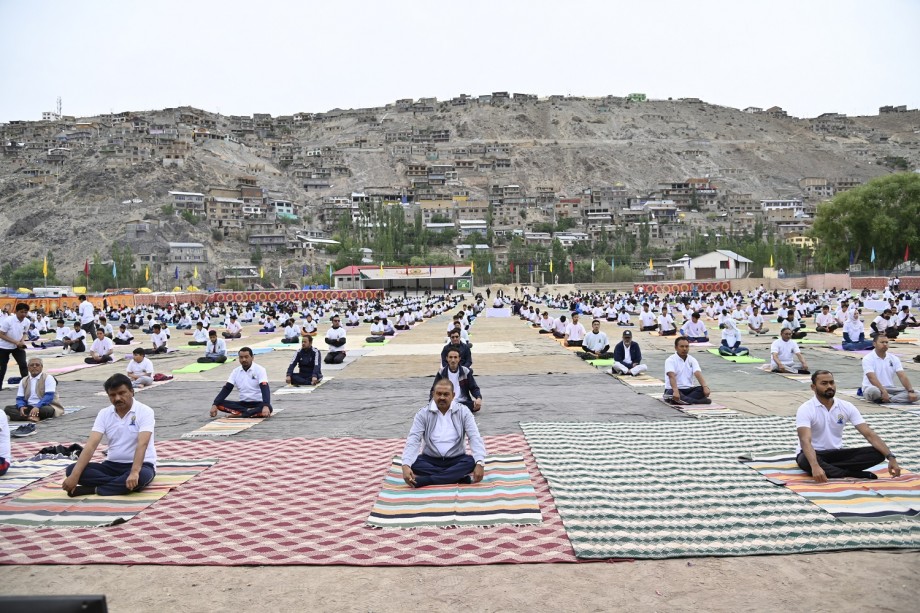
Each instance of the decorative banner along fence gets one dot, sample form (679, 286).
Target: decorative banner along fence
(683, 286)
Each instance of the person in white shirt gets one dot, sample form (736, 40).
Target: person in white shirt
(792, 322)
(140, 369)
(883, 325)
(234, 330)
(559, 326)
(435, 451)
(680, 370)
(731, 339)
(101, 350)
(36, 398)
(595, 345)
(159, 340)
(123, 337)
(252, 382)
(820, 423)
(200, 335)
(12, 341)
(131, 462)
(695, 329)
(666, 325)
(784, 351)
(547, 323)
(627, 357)
(87, 317)
(377, 329)
(215, 351)
(309, 326)
(291, 333)
(755, 322)
(76, 339)
(880, 369)
(574, 332)
(647, 319)
(824, 321)
(335, 343)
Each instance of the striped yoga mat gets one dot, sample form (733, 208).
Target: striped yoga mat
(228, 426)
(713, 409)
(642, 380)
(303, 389)
(49, 505)
(25, 472)
(504, 496)
(675, 488)
(883, 499)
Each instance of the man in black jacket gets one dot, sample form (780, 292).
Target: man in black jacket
(466, 390)
(627, 357)
(466, 356)
(307, 363)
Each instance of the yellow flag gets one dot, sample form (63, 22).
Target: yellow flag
(651, 266)
(551, 266)
(771, 260)
(261, 272)
(472, 267)
(381, 267)
(45, 266)
(195, 273)
(147, 273)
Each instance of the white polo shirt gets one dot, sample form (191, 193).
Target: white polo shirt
(335, 334)
(885, 369)
(102, 347)
(5, 451)
(785, 351)
(647, 318)
(31, 397)
(86, 312)
(575, 331)
(122, 433)
(159, 340)
(826, 426)
(144, 367)
(682, 369)
(13, 328)
(248, 382)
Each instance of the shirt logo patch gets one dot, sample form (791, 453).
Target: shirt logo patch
(840, 419)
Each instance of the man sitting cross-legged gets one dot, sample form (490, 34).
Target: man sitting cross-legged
(784, 352)
(131, 462)
(36, 398)
(880, 369)
(466, 390)
(695, 329)
(435, 452)
(820, 422)
(215, 350)
(679, 371)
(595, 346)
(101, 350)
(335, 342)
(140, 368)
(627, 357)
(252, 382)
(308, 364)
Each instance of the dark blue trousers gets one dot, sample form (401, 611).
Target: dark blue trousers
(430, 470)
(109, 477)
(246, 408)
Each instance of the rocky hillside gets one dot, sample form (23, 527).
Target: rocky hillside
(72, 183)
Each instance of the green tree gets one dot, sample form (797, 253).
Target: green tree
(883, 214)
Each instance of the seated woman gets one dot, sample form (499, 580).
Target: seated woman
(854, 334)
(731, 340)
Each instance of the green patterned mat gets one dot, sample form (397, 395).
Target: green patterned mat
(677, 489)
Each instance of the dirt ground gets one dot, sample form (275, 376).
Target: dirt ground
(518, 385)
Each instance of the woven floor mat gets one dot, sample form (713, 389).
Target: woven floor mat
(676, 489)
(243, 512)
(25, 472)
(228, 426)
(882, 499)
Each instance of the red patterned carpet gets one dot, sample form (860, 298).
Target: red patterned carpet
(286, 502)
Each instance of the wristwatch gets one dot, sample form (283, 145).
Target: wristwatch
(891, 456)
(480, 463)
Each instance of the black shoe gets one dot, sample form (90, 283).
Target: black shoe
(467, 480)
(863, 474)
(82, 490)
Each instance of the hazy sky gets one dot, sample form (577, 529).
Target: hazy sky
(269, 56)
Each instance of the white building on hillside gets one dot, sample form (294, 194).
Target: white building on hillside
(719, 264)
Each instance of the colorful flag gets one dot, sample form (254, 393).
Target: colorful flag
(280, 272)
(551, 266)
(906, 254)
(195, 272)
(45, 265)
(530, 267)
(407, 270)
(651, 265)
(592, 264)
(572, 266)
(176, 274)
(852, 255)
(472, 267)
(147, 273)
(872, 257)
(771, 260)
(512, 267)
(114, 270)
(261, 272)
(381, 267)
(490, 267)
(613, 265)
(86, 268)
(330, 273)
(429, 270)
(303, 271)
